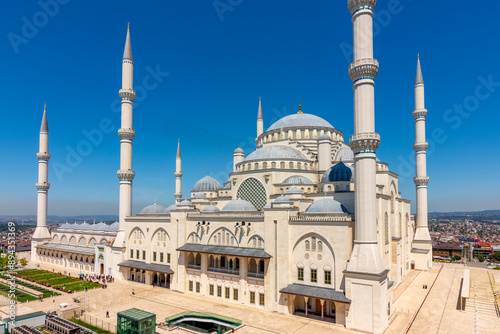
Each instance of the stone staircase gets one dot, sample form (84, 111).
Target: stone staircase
(482, 303)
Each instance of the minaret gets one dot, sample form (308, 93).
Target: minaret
(260, 120)
(422, 239)
(366, 274)
(42, 233)
(178, 173)
(126, 134)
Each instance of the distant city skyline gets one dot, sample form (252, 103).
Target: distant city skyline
(199, 72)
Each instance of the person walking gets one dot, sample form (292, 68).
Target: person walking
(133, 292)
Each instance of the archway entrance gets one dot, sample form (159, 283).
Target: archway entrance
(101, 269)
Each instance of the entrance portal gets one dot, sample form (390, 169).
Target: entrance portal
(101, 269)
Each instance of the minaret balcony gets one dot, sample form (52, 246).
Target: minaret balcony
(421, 181)
(43, 156)
(126, 175)
(355, 5)
(419, 113)
(420, 146)
(43, 186)
(126, 133)
(364, 142)
(178, 174)
(127, 94)
(364, 68)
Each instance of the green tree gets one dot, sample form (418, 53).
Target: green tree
(23, 262)
(457, 257)
(496, 256)
(480, 258)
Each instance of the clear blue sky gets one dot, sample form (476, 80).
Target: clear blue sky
(218, 64)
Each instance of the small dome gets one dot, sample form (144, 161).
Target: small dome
(239, 205)
(326, 205)
(324, 137)
(207, 183)
(171, 207)
(300, 120)
(339, 172)
(275, 152)
(153, 210)
(185, 202)
(239, 150)
(293, 190)
(297, 179)
(199, 195)
(211, 208)
(282, 199)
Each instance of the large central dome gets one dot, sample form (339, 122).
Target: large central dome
(300, 120)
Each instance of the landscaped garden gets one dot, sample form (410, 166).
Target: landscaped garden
(46, 292)
(20, 296)
(56, 281)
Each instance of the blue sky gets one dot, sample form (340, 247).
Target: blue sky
(211, 65)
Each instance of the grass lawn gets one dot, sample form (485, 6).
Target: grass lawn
(93, 328)
(20, 296)
(57, 280)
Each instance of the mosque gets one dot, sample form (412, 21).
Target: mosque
(305, 224)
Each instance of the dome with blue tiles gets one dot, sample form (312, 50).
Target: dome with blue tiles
(339, 172)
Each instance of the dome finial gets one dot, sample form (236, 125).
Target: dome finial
(154, 202)
(300, 108)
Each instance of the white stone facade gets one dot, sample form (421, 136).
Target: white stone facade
(305, 223)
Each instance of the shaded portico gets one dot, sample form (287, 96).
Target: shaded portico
(319, 301)
(148, 273)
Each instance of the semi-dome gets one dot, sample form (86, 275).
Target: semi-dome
(293, 190)
(239, 205)
(207, 183)
(153, 209)
(326, 205)
(300, 120)
(275, 152)
(199, 195)
(324, 137)
(339, 172)
(211, 208)
(297, 179)
(282, 199)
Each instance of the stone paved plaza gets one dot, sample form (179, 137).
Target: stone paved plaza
(437, 306)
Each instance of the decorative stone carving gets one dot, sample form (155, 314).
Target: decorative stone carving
(420, 146)
(126, 133)
(365, 68)
(419, 113)
(364, 142)
(127, 94)
(355, 5)
(126, 175)
(43, 156)
(421, 181)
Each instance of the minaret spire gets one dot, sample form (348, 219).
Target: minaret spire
(422, 239)
(260, 120)
(42, 234)
(126, 134)
(178, 173)
(127, 52)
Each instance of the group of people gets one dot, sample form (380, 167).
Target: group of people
(97, 278)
